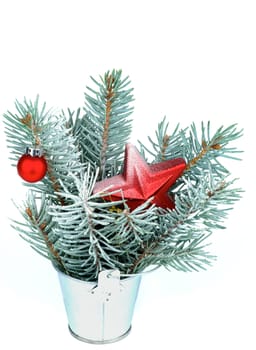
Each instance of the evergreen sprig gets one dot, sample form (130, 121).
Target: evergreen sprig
(83, 233)
(105, 126)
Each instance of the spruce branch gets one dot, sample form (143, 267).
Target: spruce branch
(106, 127)
(199, 210)
(166, 144)
(37, 230)
(109, 97)
(24, 126)
(216, 145)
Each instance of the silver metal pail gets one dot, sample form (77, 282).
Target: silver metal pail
(100, 312)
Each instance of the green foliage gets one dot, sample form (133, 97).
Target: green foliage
(105, 126)
(83, 233)
(37, 228)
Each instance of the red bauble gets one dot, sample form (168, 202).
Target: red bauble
(32, 168)
(141, 181)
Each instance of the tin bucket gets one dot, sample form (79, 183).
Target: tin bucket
(100, 312)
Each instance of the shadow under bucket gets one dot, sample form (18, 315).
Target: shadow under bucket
(100, 312)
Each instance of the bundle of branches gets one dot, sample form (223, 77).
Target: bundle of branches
(79, 231)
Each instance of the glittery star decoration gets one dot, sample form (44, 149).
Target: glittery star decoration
(141, 181)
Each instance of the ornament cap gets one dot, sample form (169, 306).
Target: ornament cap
(34, 152)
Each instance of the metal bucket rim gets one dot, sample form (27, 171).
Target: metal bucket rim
(93, 283)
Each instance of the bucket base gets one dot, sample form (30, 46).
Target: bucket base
(99, 341)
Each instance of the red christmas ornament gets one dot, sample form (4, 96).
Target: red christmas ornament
(32, 166)
(140, 180)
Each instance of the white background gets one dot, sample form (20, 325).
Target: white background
(188, 60)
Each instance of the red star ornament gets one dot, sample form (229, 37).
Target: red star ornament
(141, 181)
